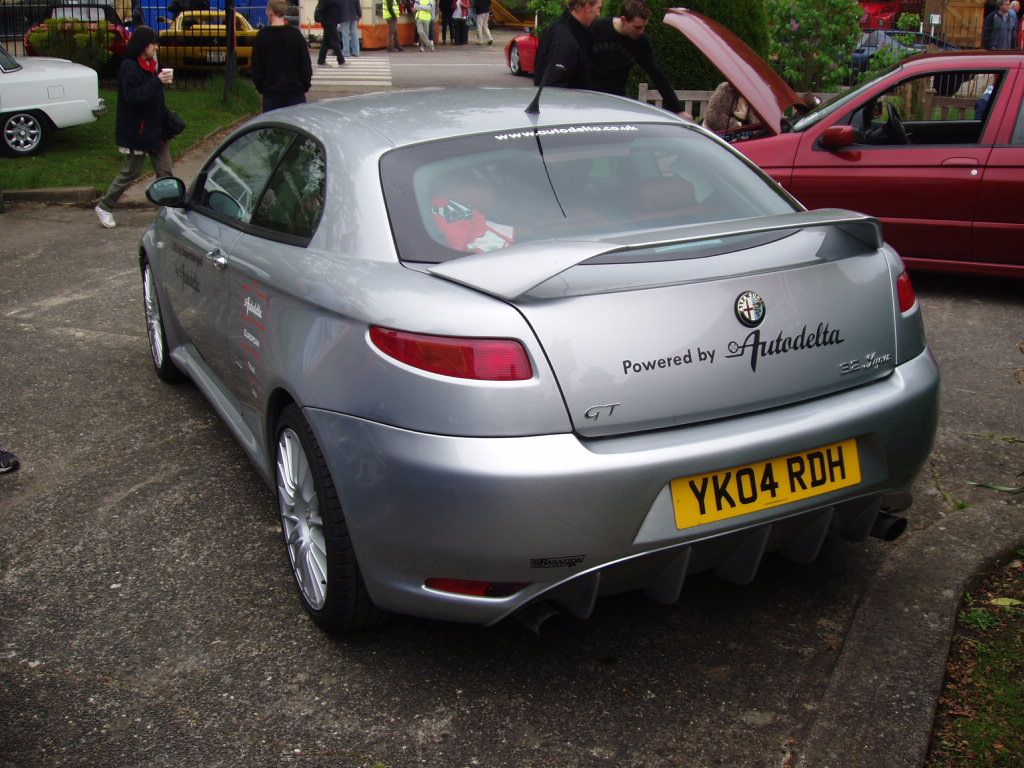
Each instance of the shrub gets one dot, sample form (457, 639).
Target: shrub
(812, 41)
(83, 42)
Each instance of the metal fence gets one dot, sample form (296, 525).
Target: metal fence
(194, 35)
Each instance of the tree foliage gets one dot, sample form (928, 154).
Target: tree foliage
(812, 41)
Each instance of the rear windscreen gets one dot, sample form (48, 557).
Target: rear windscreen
(475, 194)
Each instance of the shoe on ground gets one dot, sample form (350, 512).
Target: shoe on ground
(490, 42)
(106, 218)
(8, 461)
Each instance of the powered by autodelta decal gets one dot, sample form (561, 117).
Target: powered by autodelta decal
(754, 347)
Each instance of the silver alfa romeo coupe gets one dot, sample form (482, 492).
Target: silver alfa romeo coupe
(499, 361)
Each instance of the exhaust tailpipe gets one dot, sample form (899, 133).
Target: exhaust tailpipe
(544, 620)
(888, 527)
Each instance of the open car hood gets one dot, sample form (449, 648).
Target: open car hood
(767, 93)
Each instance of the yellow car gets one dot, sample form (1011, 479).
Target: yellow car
(198, 40)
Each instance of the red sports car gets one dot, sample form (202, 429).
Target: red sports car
(934, 148)
(521, 53)
(83, 15)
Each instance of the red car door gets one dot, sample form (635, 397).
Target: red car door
(999, 223)
(925, 194)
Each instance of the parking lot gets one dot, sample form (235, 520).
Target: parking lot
(149, 617)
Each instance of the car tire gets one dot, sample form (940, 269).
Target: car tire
(23, 133)
(161, 353)
(515, 63)
(316, 535)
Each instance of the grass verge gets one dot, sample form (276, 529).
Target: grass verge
(87, 156)
(980, 720)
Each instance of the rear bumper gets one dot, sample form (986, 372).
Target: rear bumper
(579, 518)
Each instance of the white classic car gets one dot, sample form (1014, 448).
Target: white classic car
(39, 95)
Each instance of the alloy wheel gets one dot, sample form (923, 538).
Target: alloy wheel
(301, 522)
(23, 133)
(153, 321)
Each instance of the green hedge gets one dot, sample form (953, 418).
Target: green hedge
(82, 42)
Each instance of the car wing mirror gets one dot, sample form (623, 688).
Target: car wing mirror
(168, 191)
(838, 137)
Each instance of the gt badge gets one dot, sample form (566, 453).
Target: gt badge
(750, 309)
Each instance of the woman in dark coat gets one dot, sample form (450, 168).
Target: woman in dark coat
(140, 116)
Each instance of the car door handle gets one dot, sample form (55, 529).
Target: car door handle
(960, 162)
(219, 260)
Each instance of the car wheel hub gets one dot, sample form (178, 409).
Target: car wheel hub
(301, 522)
(22, 133)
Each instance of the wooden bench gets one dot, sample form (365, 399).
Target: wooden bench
(694, 102)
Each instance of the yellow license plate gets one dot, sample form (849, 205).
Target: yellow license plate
(738, 491)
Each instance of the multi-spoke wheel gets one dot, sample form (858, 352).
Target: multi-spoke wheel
(23, 133)
(515, 64)
(315, 534)
(162, 362)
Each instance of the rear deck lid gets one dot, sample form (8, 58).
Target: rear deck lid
(677, 333)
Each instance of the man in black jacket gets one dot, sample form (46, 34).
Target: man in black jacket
(563, 56)
(330, 17)
(619, 44)
(281, 69)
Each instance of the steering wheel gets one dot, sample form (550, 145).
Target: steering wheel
(894, 125)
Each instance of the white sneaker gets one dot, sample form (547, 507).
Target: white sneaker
(106, 218)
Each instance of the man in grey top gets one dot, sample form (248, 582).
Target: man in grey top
(997, 33)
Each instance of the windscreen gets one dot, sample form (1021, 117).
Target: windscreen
(475, 194)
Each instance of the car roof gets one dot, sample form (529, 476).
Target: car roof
(401, 118)
(971, 59)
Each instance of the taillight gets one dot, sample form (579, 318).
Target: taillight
(905, 292)
(475, 588)
(462, 358)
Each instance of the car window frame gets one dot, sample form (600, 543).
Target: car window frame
(1002, 73)
(255, 230)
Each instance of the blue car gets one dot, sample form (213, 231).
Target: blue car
(905, 43)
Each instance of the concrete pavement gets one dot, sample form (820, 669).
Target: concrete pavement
(878, 705)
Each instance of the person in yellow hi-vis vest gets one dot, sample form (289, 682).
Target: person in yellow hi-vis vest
(391, 10)
(424, 18)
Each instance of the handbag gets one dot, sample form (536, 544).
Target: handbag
(173, 124)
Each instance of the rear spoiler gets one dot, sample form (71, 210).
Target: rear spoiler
(511, 272)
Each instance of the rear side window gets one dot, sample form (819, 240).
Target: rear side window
(294, 198)
(233, 179)
(482, 193)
